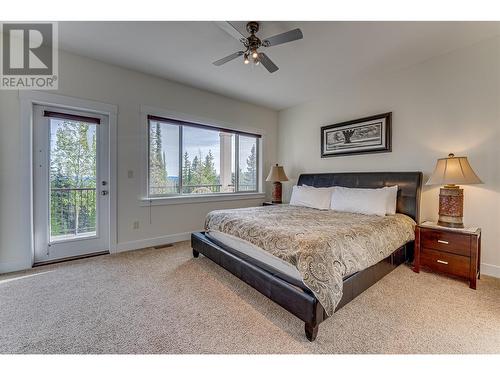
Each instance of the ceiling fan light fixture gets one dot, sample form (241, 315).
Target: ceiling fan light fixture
(252, 43)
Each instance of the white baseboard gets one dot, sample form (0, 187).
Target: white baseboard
(149, 242)
(490, 270)
(7, 267)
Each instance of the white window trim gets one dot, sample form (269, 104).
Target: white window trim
(201, 198)
(144, 198)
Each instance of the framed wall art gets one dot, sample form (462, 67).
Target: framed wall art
(362, 136)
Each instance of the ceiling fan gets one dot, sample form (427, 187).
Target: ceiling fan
(252, 43)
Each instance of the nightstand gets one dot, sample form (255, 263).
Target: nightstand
(449, 250)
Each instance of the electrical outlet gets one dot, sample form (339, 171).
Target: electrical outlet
(136, 225)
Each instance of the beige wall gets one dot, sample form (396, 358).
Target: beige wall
(450, 103)
(89, 79)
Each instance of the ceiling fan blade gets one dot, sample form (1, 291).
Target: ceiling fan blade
(228, 58)
(231, 30)
(289, 36)
(268, 64)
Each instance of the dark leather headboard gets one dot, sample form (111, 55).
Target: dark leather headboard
(410, 184)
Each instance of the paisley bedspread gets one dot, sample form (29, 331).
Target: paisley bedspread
(325, 246)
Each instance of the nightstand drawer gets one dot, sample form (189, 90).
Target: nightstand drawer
(446, 241)
(445, 262)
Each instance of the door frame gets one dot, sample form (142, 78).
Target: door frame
(27, 100)
(77, 246)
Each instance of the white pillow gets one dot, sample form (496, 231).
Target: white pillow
(362, 201)
(392, 195)
(308, 196)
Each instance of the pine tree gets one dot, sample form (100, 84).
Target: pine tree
(209, 174)
(249, 177)
(252, 166)
(199, 169)
(186, 170)
(195, 169)
(59, 200)
(157, 167)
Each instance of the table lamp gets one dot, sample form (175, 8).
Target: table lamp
(450, 172)
(277, 175)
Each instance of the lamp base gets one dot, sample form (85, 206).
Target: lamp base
(449, 225)
(451, 207)
(277, 192)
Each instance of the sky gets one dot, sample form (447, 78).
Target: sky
(195, 140)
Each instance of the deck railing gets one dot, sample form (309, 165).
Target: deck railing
(72, 211)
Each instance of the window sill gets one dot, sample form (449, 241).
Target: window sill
(164, 201)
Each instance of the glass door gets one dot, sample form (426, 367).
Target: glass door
(71, 195)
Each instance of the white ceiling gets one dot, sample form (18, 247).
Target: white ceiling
(330, 53)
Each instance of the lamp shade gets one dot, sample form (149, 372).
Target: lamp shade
(277, 174)
(453, 171)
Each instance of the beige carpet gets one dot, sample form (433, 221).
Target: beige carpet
(165, 301)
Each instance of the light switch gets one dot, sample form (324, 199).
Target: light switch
(130, 174)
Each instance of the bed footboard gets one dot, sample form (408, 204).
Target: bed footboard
(300, 301)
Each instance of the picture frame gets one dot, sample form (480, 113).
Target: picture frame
(366, 135)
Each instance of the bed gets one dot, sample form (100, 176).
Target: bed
(314, 292)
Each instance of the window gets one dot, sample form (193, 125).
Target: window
(72, 177)
(186, 158)
(163, 158)
(247, 156)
